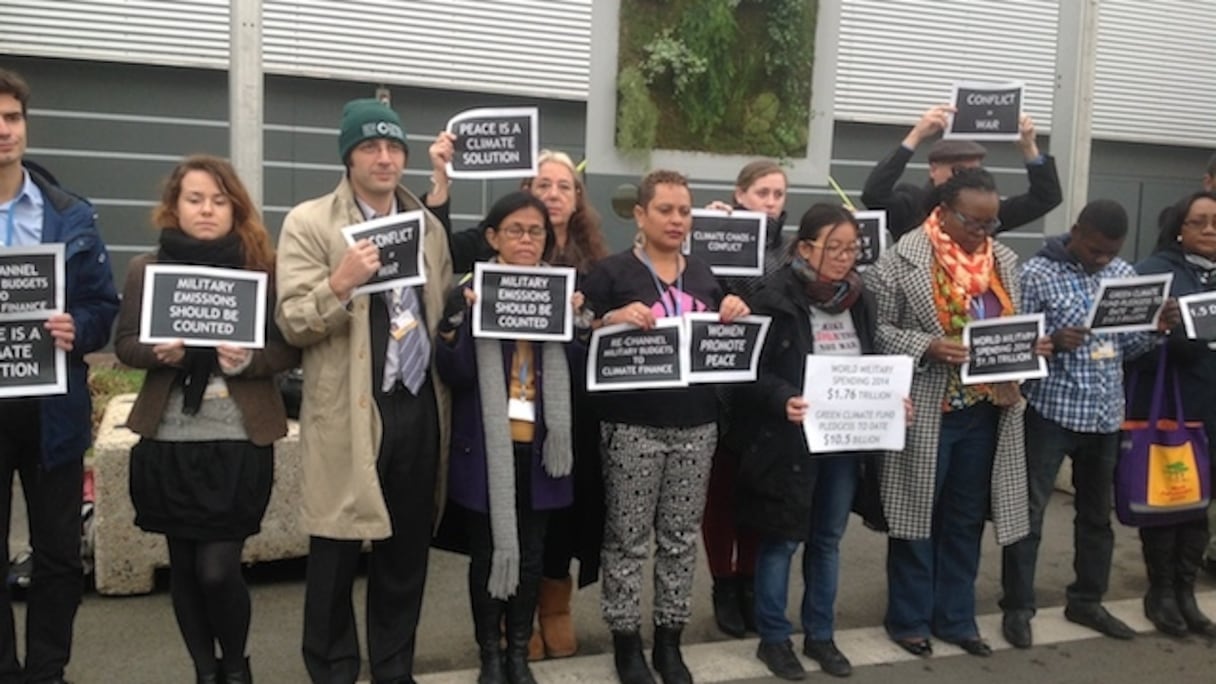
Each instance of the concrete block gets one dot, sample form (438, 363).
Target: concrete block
(126, 557)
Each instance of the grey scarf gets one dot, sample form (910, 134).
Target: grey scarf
(557, 454)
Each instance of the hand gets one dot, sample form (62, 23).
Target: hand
(933, 121)
(1026, 139)
(441, 152)
(577, 301)
(457, 302)
(232, 359)
(170, 353)
(63, 330)
(635, 314)
(733, 307)
(795, 409)
(359, 263)
(1171, 315)
(1044, 347)
(909, 410)
(1069, 339)
(719, 205)
(947, 351)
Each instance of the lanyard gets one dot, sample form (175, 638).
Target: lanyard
(979, 305)
(664, 290)
(12, 212)
(523, 377)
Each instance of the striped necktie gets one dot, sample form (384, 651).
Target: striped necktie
(408, 357)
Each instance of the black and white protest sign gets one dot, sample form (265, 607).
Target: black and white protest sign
(1129, 304)
(724, 352)
(399, 238)
(856, 403)
(985, 111)
(1199, 315)
(1002, 349)
(203, 306)
(624, 357)
(731, 243)
(30, 364)
(495, 143)
(872, 235)
(31, 280)
(523, 303)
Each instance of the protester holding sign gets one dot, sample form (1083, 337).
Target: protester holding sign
(44, 438)
(512, 453)
(1076, 411)
(818, 306)
(1173, 554)
(658, 443)
(907, 205)
(965, 455)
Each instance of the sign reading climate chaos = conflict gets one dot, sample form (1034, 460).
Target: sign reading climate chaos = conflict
(1129, 304)
(30, 364)
(31, 280)
(495, 143)
(1003, 349)
(399, 238)
(856, 403)
(623, 357)
(731, 243)
(523, 303)
(724, 352)
(985, 111)
(203, 306)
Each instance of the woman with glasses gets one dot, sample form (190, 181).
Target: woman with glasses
(1173, 554)
(965, 450)
(818, 306)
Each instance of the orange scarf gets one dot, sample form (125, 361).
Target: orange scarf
(959, 276)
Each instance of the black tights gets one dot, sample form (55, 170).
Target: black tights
(210, 600)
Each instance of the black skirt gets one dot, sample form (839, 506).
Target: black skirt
(209, 491)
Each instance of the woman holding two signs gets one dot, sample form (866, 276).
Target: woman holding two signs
(658, 443)
(207, 419)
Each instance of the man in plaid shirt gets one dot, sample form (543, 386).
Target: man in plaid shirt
(1076, 410)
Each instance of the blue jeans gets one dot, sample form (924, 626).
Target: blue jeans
(832, 499)
(1093, 473)
(931, 582)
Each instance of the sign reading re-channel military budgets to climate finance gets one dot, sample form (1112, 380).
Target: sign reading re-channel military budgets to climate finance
(31, 280)
(731, 243)
(523, 303)
(203, 306)
(625, 357)
(856, 403)
(31, 289)
(495, 143)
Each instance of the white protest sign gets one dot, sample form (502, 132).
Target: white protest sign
(985, 111)
(872, 236)
(724, 352)
(1199, 315)
(1129, 304)
(495, 143)
(31, 280)
(731, 243)
(856, 403)
(1003, 349)
(203, 306)
(399, 238)
(523, 302)
(625, 357)
(30, 363)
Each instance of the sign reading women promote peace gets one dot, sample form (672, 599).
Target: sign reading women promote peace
(724, 352)
(872, 235)
(31, 280)
(985, 111)
(731, 243)
(399, 238)
(1003, 349)
(1129, 304)
(624, 357)
(495, 143)
(523, 303)
(203, 306)
(31, 289)
(856, 403)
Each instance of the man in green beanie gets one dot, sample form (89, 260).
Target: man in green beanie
(374, 417)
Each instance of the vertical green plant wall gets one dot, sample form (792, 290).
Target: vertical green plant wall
(719, 76)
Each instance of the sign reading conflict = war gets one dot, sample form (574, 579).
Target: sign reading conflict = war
(985, 111)
(724, 352)
(31, 280)
(399, 238)
(731, 243)
(624, 357)
(523, 303)
(203, 306)
(1003, 349)
(31, 289)
(495, 143)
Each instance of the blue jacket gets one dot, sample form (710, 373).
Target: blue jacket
(92, 300)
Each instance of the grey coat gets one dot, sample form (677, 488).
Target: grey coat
(907, 323)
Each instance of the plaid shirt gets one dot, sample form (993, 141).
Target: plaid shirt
(1083, 391)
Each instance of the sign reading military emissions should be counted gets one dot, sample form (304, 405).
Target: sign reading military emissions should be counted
(31, 280)
(724, 352)
(872, 235)
(1199, 315)
(399, 238)
(624, 357)
(203, 306)
(985, 111)
(495, 143)
(731, 243)
(523, 303)
(1002, 349)
(856, 403)
(1129, 304)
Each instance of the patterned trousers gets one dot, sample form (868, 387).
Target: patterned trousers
(655, 479)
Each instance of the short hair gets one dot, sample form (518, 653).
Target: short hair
(514, 201)
(823, 215)
(972, 178)
(1171, 218)
(1106, 217)
(655, 178)
(11, 83)
(754, 171)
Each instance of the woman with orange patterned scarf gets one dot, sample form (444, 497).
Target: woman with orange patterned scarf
(965, 451)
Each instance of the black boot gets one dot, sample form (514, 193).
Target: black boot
(667, 659)
(209, 678)
(244, 676)
(521, 609)
(631, 667)
(1192, 541)
(1160, 603)
(728, 602)
(487, 628)
(747, 602)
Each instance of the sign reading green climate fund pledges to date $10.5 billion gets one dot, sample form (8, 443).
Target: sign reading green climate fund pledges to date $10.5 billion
(856, 403)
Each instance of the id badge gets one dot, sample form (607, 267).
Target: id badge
(521, 409)
(402, 324)
(1104, 351)
(216, 389)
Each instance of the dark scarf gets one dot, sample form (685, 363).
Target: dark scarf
(1205, 269)
(832, 296)
(176, 247)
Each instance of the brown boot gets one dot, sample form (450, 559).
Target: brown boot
(536, 646)
(556, 625)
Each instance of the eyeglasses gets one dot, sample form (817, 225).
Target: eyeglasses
(836, 249)
(990, 226)
(1200, 223)
(516, 232)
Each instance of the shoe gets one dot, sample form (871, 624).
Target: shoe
(631, 667)
(666, 657)
(1195, 620)
(747, 603)
(488, 626)
(521, 611)
(556, 625)
(918, 647)
(975, 646)
(728, 602)
(1161, 609)
(780, 658)
(244, 676)
(209, 678)
(830, 659)
(1186, 573)
(1096, 617)
(1015, 626)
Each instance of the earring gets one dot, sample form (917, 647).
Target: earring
(1178, 238)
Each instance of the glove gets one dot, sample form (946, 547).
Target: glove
(454, 308)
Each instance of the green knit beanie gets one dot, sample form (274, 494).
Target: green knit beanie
(365, 119)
